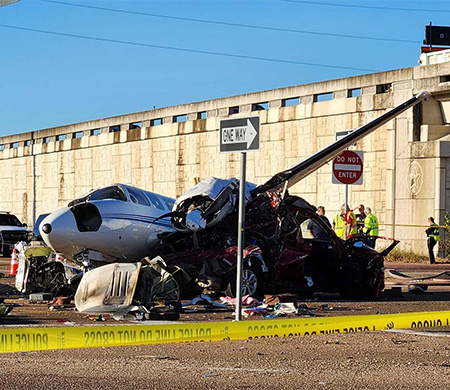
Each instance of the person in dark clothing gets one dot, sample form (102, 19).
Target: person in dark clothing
(433, 237)
(314, 228)
(360, 217)
(321, 214)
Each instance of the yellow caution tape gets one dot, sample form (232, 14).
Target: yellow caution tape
(42, 339)
(403, 225)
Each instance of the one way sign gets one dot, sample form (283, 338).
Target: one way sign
(240, 134)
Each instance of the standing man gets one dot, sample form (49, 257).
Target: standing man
(360, 217)
(321, 214)
(345, 222)
(370, 229)
(433, 237)
(339, 224)
(315, 229)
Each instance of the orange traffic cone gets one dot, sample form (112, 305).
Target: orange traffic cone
(14, 262)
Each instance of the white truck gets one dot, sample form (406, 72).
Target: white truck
(11, 231)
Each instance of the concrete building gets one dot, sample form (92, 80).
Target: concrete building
(165, 150)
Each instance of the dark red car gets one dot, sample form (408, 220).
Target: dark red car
(288, 249)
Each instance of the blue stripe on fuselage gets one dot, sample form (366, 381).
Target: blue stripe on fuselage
(139, 218)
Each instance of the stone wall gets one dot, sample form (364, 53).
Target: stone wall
(165, 150)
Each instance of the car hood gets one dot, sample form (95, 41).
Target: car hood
(13, 228)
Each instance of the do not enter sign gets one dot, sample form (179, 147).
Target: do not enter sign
(348, 168)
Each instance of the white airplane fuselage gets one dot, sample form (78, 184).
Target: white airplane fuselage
(108, 230)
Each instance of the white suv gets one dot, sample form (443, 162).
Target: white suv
(11, 231)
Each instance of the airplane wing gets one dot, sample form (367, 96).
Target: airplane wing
(299, 171)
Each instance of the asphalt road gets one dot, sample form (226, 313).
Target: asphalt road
(350, 361)
(369, 360)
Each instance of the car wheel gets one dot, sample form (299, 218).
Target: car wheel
(373, 292)
(252, 283)
(359, 291)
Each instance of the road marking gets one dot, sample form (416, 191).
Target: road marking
(415, 333)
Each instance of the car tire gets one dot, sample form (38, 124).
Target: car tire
(252, 282)
(363, 292)
(373, 292)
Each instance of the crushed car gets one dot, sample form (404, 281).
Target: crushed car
(281, 254)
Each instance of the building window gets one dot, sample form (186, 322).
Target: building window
(114, 129)
(260, 106)
(27, 142)
(202, 115)
(233, 110)
(156, 122)
(2, 147)
(355, 92)
(60, 137)
(77, 134)
(323, 97)
(14, 145)
(45, 140)
(135, 125)
(290, 102)
(96, 131)
(444, 79)
(179, 118)
(384, 88)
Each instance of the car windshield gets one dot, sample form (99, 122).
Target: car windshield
(313, 230)
(9, 220)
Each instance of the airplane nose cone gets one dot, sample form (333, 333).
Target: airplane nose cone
(47, 228)
(59, 231)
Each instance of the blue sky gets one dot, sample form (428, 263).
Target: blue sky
(48, 80)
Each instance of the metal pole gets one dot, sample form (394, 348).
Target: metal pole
(33, 163)
(346, 209)
(241, 226)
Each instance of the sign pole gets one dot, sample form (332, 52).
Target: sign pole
(240, 135)
(346, 209)
(241, 228)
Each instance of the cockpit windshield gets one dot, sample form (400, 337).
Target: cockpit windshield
(112, 192)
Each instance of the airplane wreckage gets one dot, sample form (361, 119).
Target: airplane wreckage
(136, 247)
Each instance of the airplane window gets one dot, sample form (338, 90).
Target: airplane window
(169, 204)
(138, 196)
(108, 193)
(156, 202)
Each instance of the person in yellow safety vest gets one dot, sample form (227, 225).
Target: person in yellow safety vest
(370, 229)
(345, 222)
(433, 238)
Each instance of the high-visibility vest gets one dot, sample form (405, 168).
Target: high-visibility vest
(371, 225)
(354, 229)
(435, 233)
(339, 226)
